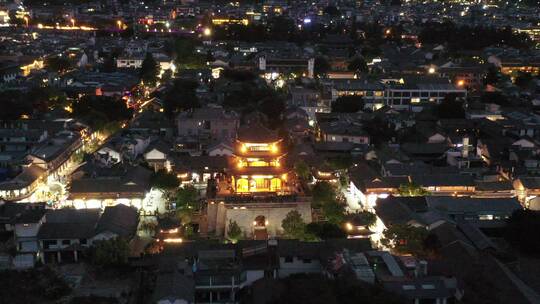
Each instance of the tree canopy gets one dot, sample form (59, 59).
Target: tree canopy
(164, 180)
(302, 170)
(323, 192)
(110, 253)
(411, 189)
(348, 104)
(405, 239)
(293, 225)
(97, 111)
(316, 288)
(450, 108)
(522, 231)
(321, 66)
(234, 233)
(149, 70)
(181, 96)
(57, 64)
(358, 64)
(325, 230)
(472, 38)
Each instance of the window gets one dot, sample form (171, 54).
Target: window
(66, 242)
(428, 286)
(306, 261)
(408, 287)
(288, 259)
(485, 217)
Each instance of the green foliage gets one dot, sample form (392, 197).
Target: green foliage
(323, 192)
(472, 38)
(302, 170)
(149, 227)
(494, 97)
(318, 289)
(293, 225)
(164, 180)
(405, 239)
(348, 104)
(321, 66)
(32, 286)
(234, 233)
(380, 131)
(358, 64)
(149, 70)
(181, 96)
(492, 76)
(325, 231)
(98, 111)
(523, 80)
(365, 218)
(186, 196)
(57, 64)
(450, 108)
(15, 103)
(110, 253)
(411, 189)
(334, 212)
(186, 57)
(522, 231)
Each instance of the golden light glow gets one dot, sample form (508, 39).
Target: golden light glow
(349, 226)
(173, 240)
(243, 149)
(431, 70)
(274, 148)
(207, 32)
(461, 82)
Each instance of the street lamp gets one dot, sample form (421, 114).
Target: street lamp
(72, 22)
(119, 23)
(207, 32)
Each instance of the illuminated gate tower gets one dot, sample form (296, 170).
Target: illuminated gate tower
(258, 163)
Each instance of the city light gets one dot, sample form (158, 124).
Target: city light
(207, 32)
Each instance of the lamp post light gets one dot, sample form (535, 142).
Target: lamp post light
(119, 23)
(72, 22)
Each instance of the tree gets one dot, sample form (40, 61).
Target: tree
(98, 111)
(323, 192)
(325, 231)
(523, 80)
(334, 212)
(57, 64)
(321, 66)
(380, 131)
(411, 189)
(358, 64)
(492, 76)
(181, 96)
(331, 10)
(149, 70)
(348, 104)
(302, 170)
(234, 233)
(186, 196)
(293, 225)
(450, 108)
(365, 218)
(522, 231)
(405, 239)
(110, 253)
(164, 180)
(494, 97)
